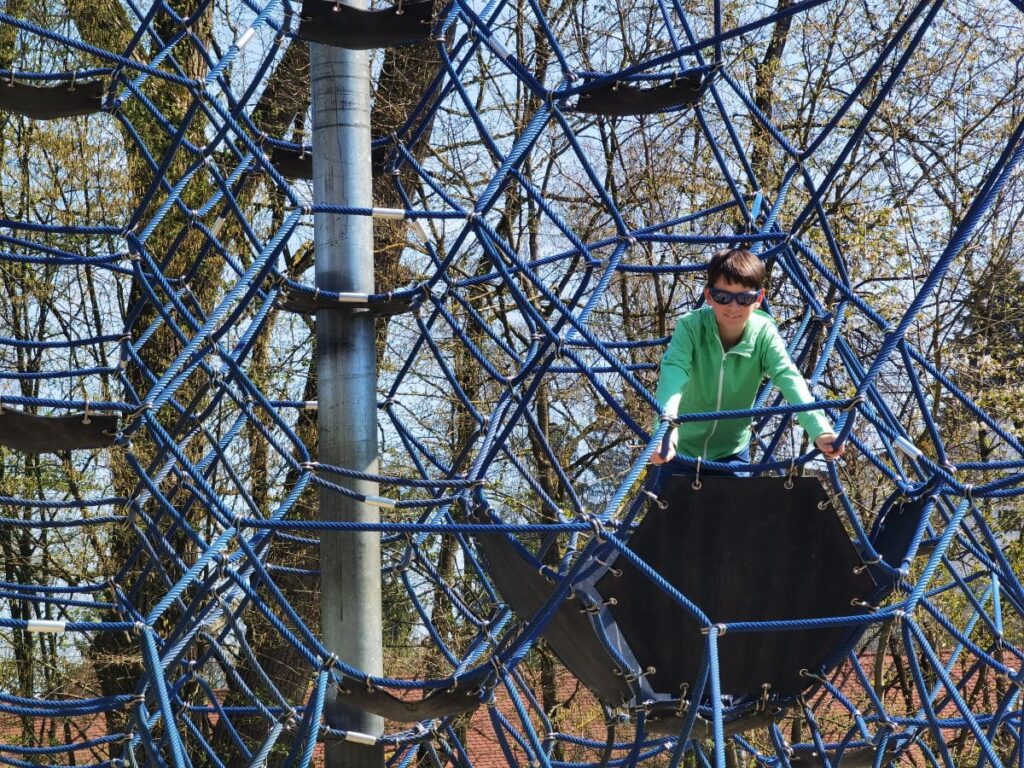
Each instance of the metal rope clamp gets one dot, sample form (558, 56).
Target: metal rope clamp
(854, 402)
(788, 485)
(867, 564)
(597, 526)
(636, 674)
(807, 673)
(762, 702)
(450, 689)
(616, 572)
(654, 498)
(288, 719)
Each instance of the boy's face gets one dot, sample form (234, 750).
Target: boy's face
(731, 317)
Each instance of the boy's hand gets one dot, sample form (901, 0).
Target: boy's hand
(658, 457)
(825, 444)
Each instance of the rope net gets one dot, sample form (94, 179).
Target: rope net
(557, 202)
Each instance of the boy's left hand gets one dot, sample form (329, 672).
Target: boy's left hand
(825, 444)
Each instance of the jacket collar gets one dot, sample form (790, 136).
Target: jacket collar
(745, 346)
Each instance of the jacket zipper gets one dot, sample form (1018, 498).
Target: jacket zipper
(718, 402)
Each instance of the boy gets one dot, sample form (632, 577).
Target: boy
(716, 361)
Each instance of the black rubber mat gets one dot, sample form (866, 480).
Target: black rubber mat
(464, 695)
(569, 632)
(51, 102)
(333, 23)
(308, 303)
(28, 433)
(741, 549)
(894, 529)
(621, 99)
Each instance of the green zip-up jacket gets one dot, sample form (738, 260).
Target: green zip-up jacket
(698, 376)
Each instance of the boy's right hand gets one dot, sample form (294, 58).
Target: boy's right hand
(666, 451)
(663, 456)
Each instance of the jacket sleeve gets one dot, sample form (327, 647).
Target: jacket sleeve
(784, 374)
(676, 365)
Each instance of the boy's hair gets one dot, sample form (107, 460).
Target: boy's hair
(737, 266)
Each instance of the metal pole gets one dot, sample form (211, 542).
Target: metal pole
(350, 584)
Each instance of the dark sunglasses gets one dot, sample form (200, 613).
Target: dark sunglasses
(744, 298)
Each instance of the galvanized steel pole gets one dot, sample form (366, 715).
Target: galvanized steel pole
(347, 377)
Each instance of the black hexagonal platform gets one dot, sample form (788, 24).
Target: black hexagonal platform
(742, 549)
